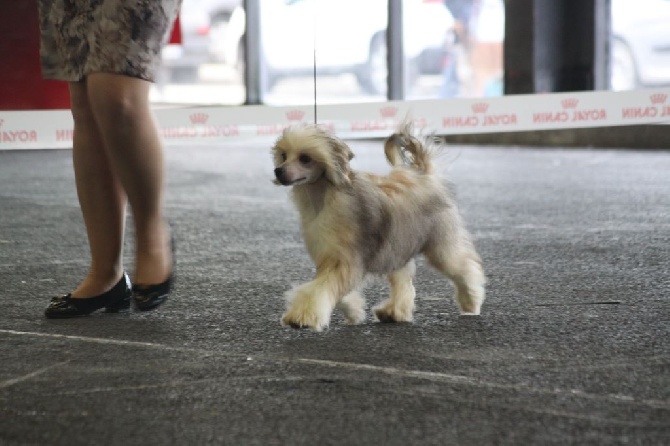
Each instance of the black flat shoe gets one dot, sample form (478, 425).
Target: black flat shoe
(115, 300)
(150, 297)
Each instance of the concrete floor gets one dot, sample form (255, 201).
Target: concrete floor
(572, 346)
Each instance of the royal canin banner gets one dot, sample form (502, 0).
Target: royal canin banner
(54, 129)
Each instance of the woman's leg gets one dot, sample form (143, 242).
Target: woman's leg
(101, 198)
(120, 105)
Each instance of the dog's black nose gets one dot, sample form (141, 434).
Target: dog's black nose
(279, 173)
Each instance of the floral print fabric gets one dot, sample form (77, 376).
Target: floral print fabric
(81, 37)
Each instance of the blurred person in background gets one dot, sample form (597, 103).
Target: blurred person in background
(457, 49)
(473, 65)
(487, 32)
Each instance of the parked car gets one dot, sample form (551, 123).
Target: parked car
(203, 22)
(349, 37)
(220, 13)
(220, 10)
(640, 44)
(181, 62)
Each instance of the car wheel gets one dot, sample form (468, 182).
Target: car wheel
(623, 75)
(372, 77)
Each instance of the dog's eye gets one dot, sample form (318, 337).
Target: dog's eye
(305, 159)
(283, 156)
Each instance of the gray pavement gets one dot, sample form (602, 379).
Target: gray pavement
(572, 346)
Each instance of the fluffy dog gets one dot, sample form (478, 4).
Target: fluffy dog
(359, 224)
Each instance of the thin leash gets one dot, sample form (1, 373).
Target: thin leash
(314, 60)
(315, 116)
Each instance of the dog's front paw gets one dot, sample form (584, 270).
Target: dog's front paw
(295, 319)
(306, 312)
(389, 311)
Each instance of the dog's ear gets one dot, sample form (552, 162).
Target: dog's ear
(338, 170)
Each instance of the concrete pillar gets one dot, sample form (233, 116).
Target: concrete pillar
(553, 46)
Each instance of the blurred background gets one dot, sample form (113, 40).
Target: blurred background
(452, 48)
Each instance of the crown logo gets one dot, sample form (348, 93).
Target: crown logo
(388, 112)
(199, 118)
(480, 107)
(658, 98)
(570, 103)
(295, 115)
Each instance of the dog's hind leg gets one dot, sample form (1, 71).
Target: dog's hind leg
(400, 306)
(455, 256)
(353, 307)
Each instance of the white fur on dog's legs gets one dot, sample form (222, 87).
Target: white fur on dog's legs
(308, 307)
(400, 306)
(311, 304)
(353, 306)
(458, 260)
(470, 288)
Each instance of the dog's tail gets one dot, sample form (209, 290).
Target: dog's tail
(404, 149)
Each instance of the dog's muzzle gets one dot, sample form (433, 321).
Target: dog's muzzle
(279, 173)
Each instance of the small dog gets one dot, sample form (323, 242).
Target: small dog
(359, 224)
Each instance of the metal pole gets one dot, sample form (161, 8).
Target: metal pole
(395, 54)
(254, 66)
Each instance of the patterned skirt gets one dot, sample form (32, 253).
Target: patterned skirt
(81, 37)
